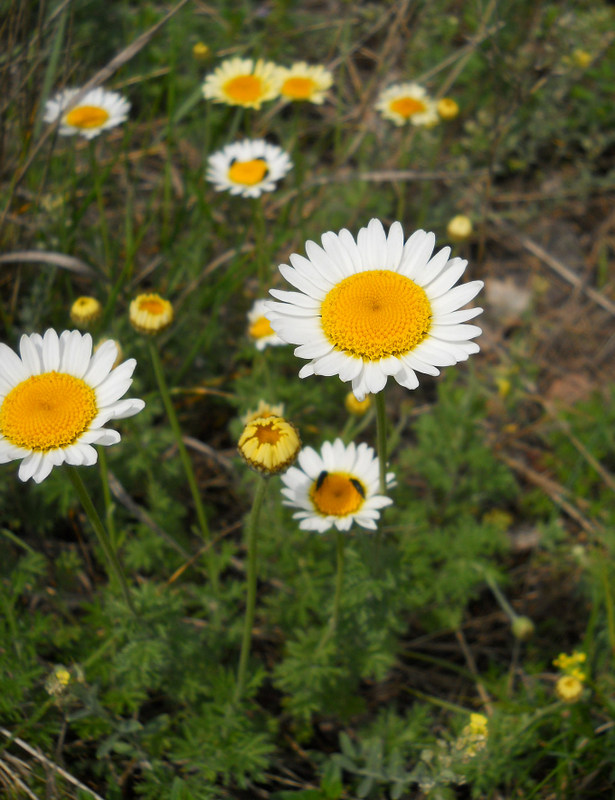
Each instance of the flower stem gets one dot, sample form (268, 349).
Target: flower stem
(262, 258)
(252, 528)
(100, 530)
(183, 453)
(109, 508)
(339, 578)
(381, 427)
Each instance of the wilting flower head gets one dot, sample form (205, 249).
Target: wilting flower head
(97, 111)
(375, 308)
(259, 327)
(335, 488)
(243, 82)
(85, 310)
(150, 313)
(269, 444)
(305, 82)
(56, 398)
(447, 108)
(248, 168)
(407, 102)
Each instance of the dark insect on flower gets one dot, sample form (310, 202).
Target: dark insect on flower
(358, 486)
(321, 479)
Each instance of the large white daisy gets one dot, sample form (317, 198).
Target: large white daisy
(56, 398)
(376, 307)
(248, 168)
(243, 82)
(408, 102)
(95, 112)
(335, 488)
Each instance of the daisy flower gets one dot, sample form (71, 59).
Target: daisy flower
(259, 327)
(243, 82)
(56, 398)
(95, 112)
(375, 308)
(150, 313)
(407, 102)
(85, 310)
(269, 444)
(248, 168)
(305, 82)
(336, 488)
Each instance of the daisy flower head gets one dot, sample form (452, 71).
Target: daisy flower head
(85, 310)
(97, 111)
(150, 314)
(375, 308)
(407, 102)
(248, 168)
(335, 487)
(259, 327)
(269, 444)
(305, 82)
(56, 399)
(243, 82)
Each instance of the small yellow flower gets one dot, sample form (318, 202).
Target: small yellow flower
(568, 688)
(357, 407)
(304, 82)
(581, 58)
(201, 51)
(150, 313)
(85, 310)
(459, 228)
(263, 410)
(570, 663)
(447, 108)
(58, 680)
(269, 444)
(477, 725)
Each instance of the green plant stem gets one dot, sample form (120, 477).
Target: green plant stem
(183, 453)
(259, 244)
(340, 541)
(103, 537)
(259, 496)
(109, 507)
(502, 601)
(102, 218)
(381, 428)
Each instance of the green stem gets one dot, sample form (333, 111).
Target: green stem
(259, 244)
(259, 496)
(502, 601)
(339, 578)
(381, 427)
(102, 218)
(103, 538)
(109, 507)
(183, 453)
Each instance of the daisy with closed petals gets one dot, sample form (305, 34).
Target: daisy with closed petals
(243, 82)
(56, 399)
(335, 488)
(407, 102)
(248, 168)
(375, 308)
(259, 327)
(305, 82)
(97, 111)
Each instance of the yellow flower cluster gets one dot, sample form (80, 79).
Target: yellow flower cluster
(569, 686)
(473, 737)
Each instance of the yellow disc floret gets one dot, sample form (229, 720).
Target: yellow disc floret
(407, 106)
(47, 411)
(297, 88)
(376, 314)
(337, 494)
(150, 313)
(244, 89)
(248, 173)
(86, 117)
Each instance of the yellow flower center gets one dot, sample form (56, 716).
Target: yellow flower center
(261, 328)
(376, 314)
(407, 106)
(337, 494)
(244, 88)
(298, 88)
(248, 173)
(47, 411)
(87, 117)
(153, 305)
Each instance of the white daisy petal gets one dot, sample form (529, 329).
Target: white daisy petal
(69, 395)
